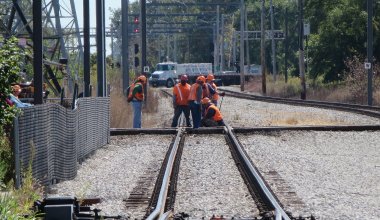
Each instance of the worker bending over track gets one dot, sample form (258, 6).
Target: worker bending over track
(212, 116)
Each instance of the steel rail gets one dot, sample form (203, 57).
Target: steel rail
(159, 209)
(253, 172)
(372, 111)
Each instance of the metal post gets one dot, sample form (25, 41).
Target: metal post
(143, 35)
(37, 51)
(143, 42)
(215, 48)
(369, 48)
(273, 42)
(222, 45)
(286, 46)
(247, 41)
(217, 38)
(167, 49)
(112, 47)
(242, 36)
(301, 50)
(175, 49)
(262, 47)
(100, 47)
(16, 147)
(124, 45)
(234, 44)
(86, 47)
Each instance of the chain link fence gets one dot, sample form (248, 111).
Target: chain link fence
(54, 139)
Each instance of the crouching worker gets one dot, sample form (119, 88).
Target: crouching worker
(212, 116)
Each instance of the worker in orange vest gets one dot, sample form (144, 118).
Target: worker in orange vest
(195, 97)
(212, 116)
(214, 97)
(181, 93)
(136, 96)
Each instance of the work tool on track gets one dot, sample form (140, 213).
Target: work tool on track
(220, 106)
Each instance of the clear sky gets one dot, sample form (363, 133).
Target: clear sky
(113, 4)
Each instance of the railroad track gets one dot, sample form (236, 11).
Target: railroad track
(163, 200)
(373, 111)
(161, 203)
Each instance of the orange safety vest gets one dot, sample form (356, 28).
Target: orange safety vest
(139, 96)
(193, 92)
(205, 92)
(181, 93)
(218, 116)
(215, 97)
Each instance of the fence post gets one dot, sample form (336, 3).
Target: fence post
(16, 148)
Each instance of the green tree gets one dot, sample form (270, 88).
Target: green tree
(338, 34)
(11, 57)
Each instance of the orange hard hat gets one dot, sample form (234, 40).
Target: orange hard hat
(142, 79)
(201, 79)
(210, 77)
(205, 101)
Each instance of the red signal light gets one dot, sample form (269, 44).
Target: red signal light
(136, 30)
(136, 20)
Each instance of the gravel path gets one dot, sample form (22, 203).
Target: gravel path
(209, 182)
(113, 171)
(246, 113)
(336, 175)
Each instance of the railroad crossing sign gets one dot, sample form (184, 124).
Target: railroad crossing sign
(146, 69)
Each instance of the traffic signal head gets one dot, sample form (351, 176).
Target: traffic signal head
(136, 20)
(137, 62)
(136, 30)
(137, 48)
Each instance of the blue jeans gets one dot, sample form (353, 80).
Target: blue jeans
(195, 114)
(137, 105)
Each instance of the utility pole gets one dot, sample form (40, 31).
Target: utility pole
(273, 42)
(175, 48)
(247, 42)
(234, 44)
(369, 49)
(143, 35)
(301, 50)
(100, 48)
(262, 47)
(286, 46)
(86, 47)
(242, 36)
(37, 51)
(217, 38)
(124, 45)
(222, 45)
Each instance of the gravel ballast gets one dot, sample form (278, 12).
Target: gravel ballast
(248, 113)
(209, 182)
(335, 174)
(113, 171)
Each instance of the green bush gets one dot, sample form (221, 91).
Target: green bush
(10, 61)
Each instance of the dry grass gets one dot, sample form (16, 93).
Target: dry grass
(122, 111)
(332, 93)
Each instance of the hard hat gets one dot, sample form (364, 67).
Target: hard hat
(205, 101)
(184, 77)
(16, 88)
(201, 79)
(142, 79)
(210, 77)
